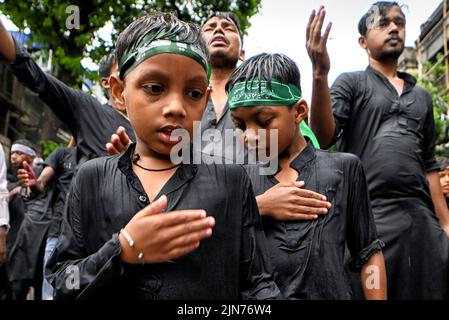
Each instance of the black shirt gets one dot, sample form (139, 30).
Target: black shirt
(308, 257)
(106, 194)
(228, 145)
(394, 136)
(63, 162)
(90, 122)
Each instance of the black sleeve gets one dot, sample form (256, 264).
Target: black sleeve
(256, 272)
(64, 101)
(361, 233)
(73, 272)
(342, 95)
(54, 159)
(429, 136)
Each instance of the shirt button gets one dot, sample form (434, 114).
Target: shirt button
(143, 198)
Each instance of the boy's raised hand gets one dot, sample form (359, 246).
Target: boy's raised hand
(27, 176)
(289, 201)
(316, 42)
(164, 236)
(119, 142)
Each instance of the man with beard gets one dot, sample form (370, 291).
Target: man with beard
(384, 118)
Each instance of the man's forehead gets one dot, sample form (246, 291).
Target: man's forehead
(216, 19)
(392, 11)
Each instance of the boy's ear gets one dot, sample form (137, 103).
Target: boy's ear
(116, 92)
(301, 110)
(105, 83)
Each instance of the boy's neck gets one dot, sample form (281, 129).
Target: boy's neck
(292, 151)
(150, 159)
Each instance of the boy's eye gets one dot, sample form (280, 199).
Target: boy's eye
(195, 94)
(154, 88)
(264, 123)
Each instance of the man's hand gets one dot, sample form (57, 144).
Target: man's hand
(119, 142)
(2, 244)
(316, 43)
(288, 201)
(164, 236)
(27, 176)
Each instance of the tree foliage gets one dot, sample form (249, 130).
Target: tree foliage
(434, 82)
(47, 21)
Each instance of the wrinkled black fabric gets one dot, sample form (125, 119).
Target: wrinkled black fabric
(230, 150)
(26, 257)
(106, 194)
(16, 214)
(394, 136)
(63, 162)
(90, 122)
(308, 256)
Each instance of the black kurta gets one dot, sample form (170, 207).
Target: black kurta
(308, 257)
(63, 162)
(230, 147)
(106, 193)
(90, 122)
(25, 260)
(394, 136)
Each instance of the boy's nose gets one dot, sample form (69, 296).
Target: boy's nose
(175, 108)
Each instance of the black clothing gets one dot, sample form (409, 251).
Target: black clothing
(90, 122)
(16, 214)
(308, 256)
(394, 136)
(106, 194)
(229, 147)
(63, 162)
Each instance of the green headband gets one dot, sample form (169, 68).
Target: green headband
(258, 92)
(153, 44)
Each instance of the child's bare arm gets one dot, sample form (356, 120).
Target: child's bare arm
(374, 278)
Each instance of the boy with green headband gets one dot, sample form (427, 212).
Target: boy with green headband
(307, 256)
(135, 221)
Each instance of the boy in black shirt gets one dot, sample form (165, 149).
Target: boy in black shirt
(116, 242)
(307, 256)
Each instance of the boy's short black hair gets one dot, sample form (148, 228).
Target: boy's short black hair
(27, 143)
(381, 8)
(228, 16)
(267, 66)
(186, 32)
(106, 64)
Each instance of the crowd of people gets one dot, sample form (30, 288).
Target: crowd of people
(114, 216)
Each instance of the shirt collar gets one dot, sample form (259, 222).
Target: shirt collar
(307, 155)
(409, 80)
(183, 174)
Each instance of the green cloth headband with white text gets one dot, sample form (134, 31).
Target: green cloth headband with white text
(258, 92)
(154, 43)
